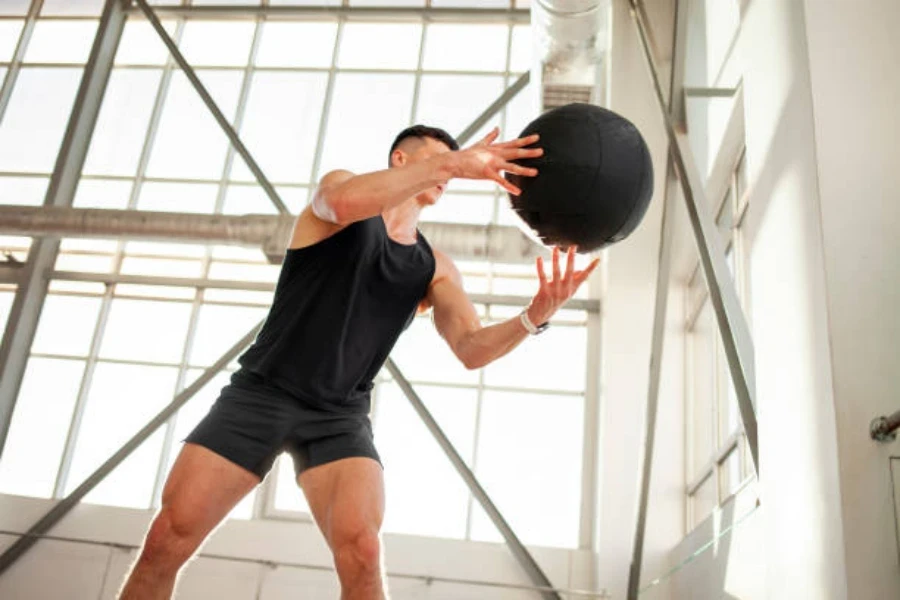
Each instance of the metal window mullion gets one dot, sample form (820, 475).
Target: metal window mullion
(590, 443)
(326, 110)
(417, 83)
(479, 401)
(507, 76)
(15, 63)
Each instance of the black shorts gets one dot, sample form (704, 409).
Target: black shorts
(252, 422)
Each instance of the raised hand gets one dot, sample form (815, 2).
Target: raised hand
(555, 292)
(486, 159)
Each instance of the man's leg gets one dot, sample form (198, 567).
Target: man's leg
(346, 498)
(200, 491)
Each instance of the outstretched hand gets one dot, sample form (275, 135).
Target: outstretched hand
(555, 292)
(487, 159)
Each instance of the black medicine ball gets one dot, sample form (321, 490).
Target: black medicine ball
(594, 181)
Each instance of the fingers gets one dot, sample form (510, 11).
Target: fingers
(518, 170)
(582, 276)
(519, 153)
(519, 142)
(506, 185)
(556, 273)
(489, 138)
(542, 277)
(570, 263)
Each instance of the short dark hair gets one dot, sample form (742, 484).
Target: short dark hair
(421, 132)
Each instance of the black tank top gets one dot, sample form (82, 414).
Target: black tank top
(338, 309)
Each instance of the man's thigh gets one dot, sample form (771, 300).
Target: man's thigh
(346, 497)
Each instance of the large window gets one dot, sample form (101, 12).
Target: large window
(306, 97)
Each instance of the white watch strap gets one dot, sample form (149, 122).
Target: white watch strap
(526, 323)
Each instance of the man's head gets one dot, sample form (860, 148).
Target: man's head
(418, 143)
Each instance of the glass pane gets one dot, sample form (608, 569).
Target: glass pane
(40, 423)
(9, 37)
(161, 267)
(529, 461)
(189, 143)
(460, 208)
(122, 124)
(730, 473)
(452, 102)
(146, 330)
(449, 47)
(14, 7)
(178, 197)
(218, 44)
(72, 7)
(729, 413)
(102, 193)
(702, 389)
(556, 360)
(296, 45)
(67, 325)
(380, 46)
(36, 118)
(141, 45)
(281, 125)
(6, 300)
(439, 364)
(219, 328)
(354, 140)
(244, 199)
(122, 399)
(520, 56)
(704, 500)
(66, 42)
(470, 3)
(29, 191)
(425, 494)
(84, 263)
(288, 495)
(262, 272)
(521, 110)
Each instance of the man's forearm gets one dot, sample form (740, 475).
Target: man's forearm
(490, 343)
(370, 194)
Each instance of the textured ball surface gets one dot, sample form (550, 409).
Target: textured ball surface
(594, 181)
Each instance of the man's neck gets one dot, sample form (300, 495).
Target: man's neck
(401, 221)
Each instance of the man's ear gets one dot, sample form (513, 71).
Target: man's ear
(398, 158)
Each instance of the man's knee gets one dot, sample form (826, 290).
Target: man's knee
(357, 551)
(171, 540)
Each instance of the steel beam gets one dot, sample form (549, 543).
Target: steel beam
(521, 553)
(735, 332)
(29, 300)
(213, 107)
(495, 107)
(270, 232)
(62, 508)
(349, 13)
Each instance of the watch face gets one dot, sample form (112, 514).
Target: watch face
(542, 328)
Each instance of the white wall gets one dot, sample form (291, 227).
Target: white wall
(65, 570)
(853, 54)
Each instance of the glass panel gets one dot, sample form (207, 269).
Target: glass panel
(529, 461)
(520, 55)
(730, 473)
(704, 500)
(157, 249)
(520, 111)
(296, 45)
(40, 423)
(29, 191)
(141, 45)
(72, 7)
(387, 2)
(244, 272)
(288, 495)
(189, 143)
(67, 42)
(218, 328)
(470, 3)
(122, 124)
(380, 46)
(702, 381)
(9, 37)
(281, 125)
(425, 495)
(252, 199)
(121, 400)
(6, 300)
(218, 44)
(14, 7)
(729, 413)
(160, 267)
(67, 325)
(146, 330)
(438, 364)
(449, 47)
(84, 263)
(354, 140)
(460, 208)
(178, 197)
(102, 193)
(452, 102)
(35, 119)
(556, 360)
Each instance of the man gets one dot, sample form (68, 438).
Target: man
(355, 274)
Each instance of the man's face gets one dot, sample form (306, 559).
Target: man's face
(417, 150)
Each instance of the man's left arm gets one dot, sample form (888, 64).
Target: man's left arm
(458, 323)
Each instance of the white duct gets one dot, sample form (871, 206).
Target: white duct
(270, 232)
(571, 41)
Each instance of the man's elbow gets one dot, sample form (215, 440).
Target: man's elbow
(333, 207)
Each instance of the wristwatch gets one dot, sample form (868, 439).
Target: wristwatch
(530, 327)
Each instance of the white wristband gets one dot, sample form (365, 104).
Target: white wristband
(527, 324)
